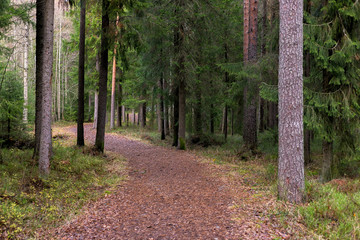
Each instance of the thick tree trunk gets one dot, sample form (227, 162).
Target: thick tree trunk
(291, 184)
(44, 64)
(113, 85)
(327, 161)
(100, 131)
(250, 51)
(81, 87)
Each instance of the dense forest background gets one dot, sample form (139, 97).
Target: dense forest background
(198, 72)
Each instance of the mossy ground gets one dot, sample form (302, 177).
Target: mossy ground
(78, 176)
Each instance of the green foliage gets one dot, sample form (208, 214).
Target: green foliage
(333, 211)
(29, 202)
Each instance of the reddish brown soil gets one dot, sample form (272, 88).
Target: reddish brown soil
(169, 195)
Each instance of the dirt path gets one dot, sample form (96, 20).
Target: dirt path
(169, 195)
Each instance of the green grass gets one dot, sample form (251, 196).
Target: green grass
(28, 202)
(333, 209)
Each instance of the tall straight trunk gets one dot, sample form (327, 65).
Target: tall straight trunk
(81, 94)
(307, 138)
(176, 116)
(58, 94)
(134, 116)
(119, 122)
(166, 109)
(44, 64)
(152, 113)
(162, 123)
(113, 85)
(226, 77)
(26, 98)
(197, 107)
(225, 122)
(143, 119)
(180, 80)
(250, 51)
(100, 131)
(327, 148)
(96, 108)
(291, 183)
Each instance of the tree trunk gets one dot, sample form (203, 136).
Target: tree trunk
(166, 109)
(176, 116)
(81, 94)
(26, 99)
(58, 94)
(291, 138)
(327, 161)
(44, 64)
(162, 123)
(100, 131)
(119, 122)
(113, 82)
(96, 108)
(250, 51)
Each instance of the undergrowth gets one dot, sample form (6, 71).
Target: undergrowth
(29, 202)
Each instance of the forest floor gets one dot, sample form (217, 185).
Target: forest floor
(173, 194)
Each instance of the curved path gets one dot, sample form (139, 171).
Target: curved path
(169, 195)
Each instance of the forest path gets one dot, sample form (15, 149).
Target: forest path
(170, 194)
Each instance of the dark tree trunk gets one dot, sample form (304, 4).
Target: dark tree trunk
(226, 110)
(327, 148)
(197, 108)
(176, 116)
(44, 64)
(162, 123)
(100, 131)
(250, 51)
(291, 182)
(80, 117)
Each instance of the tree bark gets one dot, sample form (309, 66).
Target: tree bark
(161, 104)
(250, 51)
(291, 183)
(119, 122)
(327, 148)
(81, 93)
(113, 85)
(58, 95)
(176, 116)
(100, 131)
(26, 98)
(44, 64)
